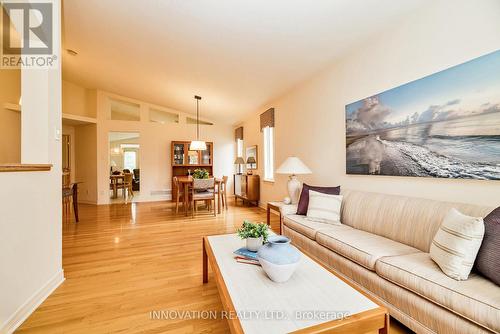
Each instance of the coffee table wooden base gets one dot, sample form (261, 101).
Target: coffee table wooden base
(374, 320)
(208, 256)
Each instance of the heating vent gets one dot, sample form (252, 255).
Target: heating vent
(161, 192)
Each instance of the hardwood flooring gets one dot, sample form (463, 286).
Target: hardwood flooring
(122, 261)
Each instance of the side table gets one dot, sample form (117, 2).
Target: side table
(275, 206)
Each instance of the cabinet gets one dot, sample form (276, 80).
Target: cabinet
(247, 188)
(184, 161)
(182, 156)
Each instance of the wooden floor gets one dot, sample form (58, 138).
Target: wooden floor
(123, 261)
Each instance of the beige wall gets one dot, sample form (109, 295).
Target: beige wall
(30, 210)
(310, 120)
(10, 120)
(155, 140)
(77, 100)
(86, 162)
(92, 158)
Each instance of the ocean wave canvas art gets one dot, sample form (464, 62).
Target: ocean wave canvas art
(444, 125)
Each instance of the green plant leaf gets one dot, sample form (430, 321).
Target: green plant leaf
(253, 230)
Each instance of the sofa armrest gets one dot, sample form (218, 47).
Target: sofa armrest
(288, 209)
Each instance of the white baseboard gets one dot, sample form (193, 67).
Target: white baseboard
(25, 310)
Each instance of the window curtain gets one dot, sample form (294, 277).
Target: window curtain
(267, 119)
(238, 133)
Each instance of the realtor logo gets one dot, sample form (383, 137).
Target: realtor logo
(27, 34)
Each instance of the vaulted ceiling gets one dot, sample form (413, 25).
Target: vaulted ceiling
(236, 54)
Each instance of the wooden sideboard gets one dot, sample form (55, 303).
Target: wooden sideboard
(247, 188)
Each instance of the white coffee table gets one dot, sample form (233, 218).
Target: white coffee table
(314, 300)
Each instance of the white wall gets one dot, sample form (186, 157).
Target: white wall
(310, 119)
(30, 202)
(155, 140)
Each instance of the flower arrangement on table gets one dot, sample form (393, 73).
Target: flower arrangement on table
(200, 173)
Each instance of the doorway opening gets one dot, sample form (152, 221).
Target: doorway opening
(124, 167)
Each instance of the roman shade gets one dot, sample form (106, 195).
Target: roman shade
(238, 133)
(267, 119)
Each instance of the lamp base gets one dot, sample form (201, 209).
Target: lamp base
(294, 189)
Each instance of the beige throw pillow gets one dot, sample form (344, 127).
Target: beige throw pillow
(456, 244)
(324, 208)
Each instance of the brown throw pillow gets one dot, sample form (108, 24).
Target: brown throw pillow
(304, 196)
(488, 258)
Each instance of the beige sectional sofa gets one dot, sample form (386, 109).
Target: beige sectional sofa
(382, 246)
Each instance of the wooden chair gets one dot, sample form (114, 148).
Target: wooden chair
(66, 179)
(223, 191)
(203, 190)
(126, 185)
(70, 196)
(179, 194)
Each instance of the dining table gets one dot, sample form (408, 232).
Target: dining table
(187, 181)
(115, 179)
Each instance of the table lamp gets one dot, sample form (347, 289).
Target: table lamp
(251, 161)
(239, 161)
(293, 166)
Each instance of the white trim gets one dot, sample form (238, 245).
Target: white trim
(25, 310)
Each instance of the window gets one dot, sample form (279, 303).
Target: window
(239, 147)
(130, 160)
(162, 117)
(238, 136)
(124, 111)
(190, 120)
(268, 153)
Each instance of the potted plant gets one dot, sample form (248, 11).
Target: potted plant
(254, 233)
(200, 173)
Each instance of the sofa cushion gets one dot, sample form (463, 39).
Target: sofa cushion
(304, 196)
(476, 299)
(309, 228)
(324, 208)
(488, 258)
(362, 247)
(456, 244)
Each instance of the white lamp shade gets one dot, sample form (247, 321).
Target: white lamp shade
(293, 165)
(197, 145)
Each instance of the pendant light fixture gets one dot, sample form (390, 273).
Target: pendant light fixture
(197, 145)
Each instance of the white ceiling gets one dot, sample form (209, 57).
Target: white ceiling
(236, 54)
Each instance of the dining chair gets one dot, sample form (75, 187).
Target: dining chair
(223, 191)
(203, 190)
(179, 194)
(70, 196)
(126, 185)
